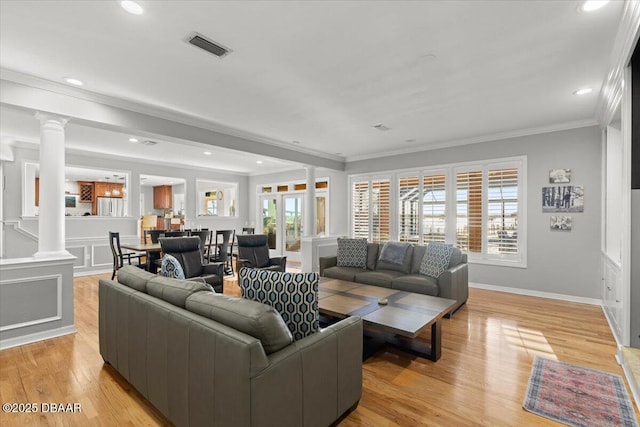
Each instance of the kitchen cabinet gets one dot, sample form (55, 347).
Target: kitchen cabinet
(162, 197)
(108, 189)
(85, 189)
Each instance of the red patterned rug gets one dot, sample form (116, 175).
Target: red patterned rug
(578, 396)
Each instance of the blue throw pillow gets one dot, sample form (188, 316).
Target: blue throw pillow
(352, 253)
(293, 295)
(436, 259)
(171, 267)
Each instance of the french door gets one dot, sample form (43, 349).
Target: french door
(282, 223)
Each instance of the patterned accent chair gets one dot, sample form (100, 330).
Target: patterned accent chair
(188, 252)
(253, 252)
(293, 295)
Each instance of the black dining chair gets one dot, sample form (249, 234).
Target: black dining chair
(205, 239)
(119, 256)
(248, 230)
(223, 248)
(171, 233)
(153, 235)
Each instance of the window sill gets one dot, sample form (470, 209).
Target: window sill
(497, 262)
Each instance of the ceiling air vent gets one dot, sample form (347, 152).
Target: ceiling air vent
(381, 127)
(208, 45)
(149, 142)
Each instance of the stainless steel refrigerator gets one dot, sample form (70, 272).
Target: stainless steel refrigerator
(110, 206)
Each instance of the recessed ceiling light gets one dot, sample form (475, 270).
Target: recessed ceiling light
(410, 140)
(295, 142)
(259, 162)
(132, 7)
(591, 5)
(133, 140)
(73, 81)
(583, 91)
(207, 153)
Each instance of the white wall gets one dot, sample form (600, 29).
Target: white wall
(558, 262)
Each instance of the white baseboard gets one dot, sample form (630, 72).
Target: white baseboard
(38, 336)
(550, 295)
(91, 272)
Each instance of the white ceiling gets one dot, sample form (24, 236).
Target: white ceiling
(323, 72)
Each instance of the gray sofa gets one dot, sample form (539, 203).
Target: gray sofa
(206, 359)
(453, 283)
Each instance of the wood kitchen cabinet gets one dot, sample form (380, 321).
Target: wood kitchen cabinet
(108, 189)
(162, 197)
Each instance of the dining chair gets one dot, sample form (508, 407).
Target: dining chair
(205, 240)
(119, 256)
(171, 233)
(223, 249)
(248, 230)
(152, 235)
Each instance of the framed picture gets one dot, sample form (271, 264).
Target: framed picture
(69, 201)
(560, 223)
(559, 176)
(565, 198)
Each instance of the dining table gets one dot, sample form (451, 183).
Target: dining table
(149, 249)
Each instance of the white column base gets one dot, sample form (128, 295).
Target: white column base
(52, 254)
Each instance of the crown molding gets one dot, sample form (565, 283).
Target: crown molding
(476, 140)
(625, 42)
(163, 113)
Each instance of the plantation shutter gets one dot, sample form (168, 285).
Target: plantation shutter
(502, 211)
(433, 208)
(380, 210)
(360, 209)
(408, 209)
(469, 211)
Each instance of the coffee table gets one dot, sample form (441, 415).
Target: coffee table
(398, 323)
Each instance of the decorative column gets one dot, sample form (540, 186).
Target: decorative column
(51, 219)
(309, 212)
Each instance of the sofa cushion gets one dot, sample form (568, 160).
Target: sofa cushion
(134, 277)
(293, 295)
(253, 318)
(416, 283)
(416, 259)
(378, 278)
(405, 267)
(174, 291)
(436, 259)
(372, 255)
(342, 273)
(352, 252)
(394, 252)
(170, 267)
(456, 257)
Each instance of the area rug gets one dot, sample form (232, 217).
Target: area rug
(578, 396)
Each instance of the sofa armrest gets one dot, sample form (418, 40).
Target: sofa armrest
(213, 268)
(313, 380)
(454, 284)
(327, 262)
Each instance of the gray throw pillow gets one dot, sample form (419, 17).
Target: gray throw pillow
(352, 253)
(436, 259)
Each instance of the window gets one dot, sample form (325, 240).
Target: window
(409, 205)
(434, 209)
(479, 207)
(380, 210)
(360, 209)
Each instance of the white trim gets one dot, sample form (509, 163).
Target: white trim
(93, 256)
(91, 272)
(38, 336)
(58, 316)
(84, 256)
(475, 140)
(539, 294)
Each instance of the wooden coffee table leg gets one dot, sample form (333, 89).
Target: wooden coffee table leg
(375, 340)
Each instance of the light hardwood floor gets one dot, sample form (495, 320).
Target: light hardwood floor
(487, 352)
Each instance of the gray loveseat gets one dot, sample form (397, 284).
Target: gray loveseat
(453, 283)
(205, 359)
